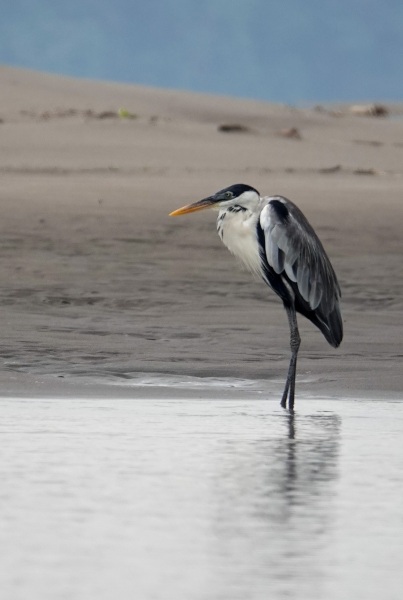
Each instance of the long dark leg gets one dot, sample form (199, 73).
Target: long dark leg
(295, 341)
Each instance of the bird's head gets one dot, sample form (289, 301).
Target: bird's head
(239, 194)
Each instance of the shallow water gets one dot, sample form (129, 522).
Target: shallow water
(201, 499)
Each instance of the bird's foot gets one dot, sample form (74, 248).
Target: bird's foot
(290, 398)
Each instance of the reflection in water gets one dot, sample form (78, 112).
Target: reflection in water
(276, 502)
(184, 499)
(194, 500)
(310, 457)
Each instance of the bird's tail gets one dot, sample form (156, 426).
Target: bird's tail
(331, 326)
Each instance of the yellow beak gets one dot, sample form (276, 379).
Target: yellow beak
(200, 205)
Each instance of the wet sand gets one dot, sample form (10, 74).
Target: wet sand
(98, 286)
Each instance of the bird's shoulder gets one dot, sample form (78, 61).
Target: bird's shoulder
(288, 227)
(278, 210)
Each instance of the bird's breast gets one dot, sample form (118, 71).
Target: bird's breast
(237, 230)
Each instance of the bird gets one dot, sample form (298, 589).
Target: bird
(274, 240)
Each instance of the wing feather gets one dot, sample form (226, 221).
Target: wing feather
(294, 250)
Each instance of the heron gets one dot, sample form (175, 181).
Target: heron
(274, 240)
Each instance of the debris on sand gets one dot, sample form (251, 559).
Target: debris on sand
(369, 110)
(332, 169)
(62, 113)
(368, 142)
(233, 128)
(290, 132)
(123, 113)
(106, 114)
(370, 171)
(373, 109)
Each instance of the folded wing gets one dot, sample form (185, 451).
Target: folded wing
(294, 252)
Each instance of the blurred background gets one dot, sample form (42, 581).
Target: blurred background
(277, 50)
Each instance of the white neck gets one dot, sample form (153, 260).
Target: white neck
(236, 226)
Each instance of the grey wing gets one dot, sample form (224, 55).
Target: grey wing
(294, 250)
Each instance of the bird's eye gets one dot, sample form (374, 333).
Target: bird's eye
(228, 195)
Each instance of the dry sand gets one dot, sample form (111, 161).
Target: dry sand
(99, 285)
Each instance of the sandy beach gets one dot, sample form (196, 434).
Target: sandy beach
(100, 286)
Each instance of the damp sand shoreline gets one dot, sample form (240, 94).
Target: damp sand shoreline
(97, 281)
